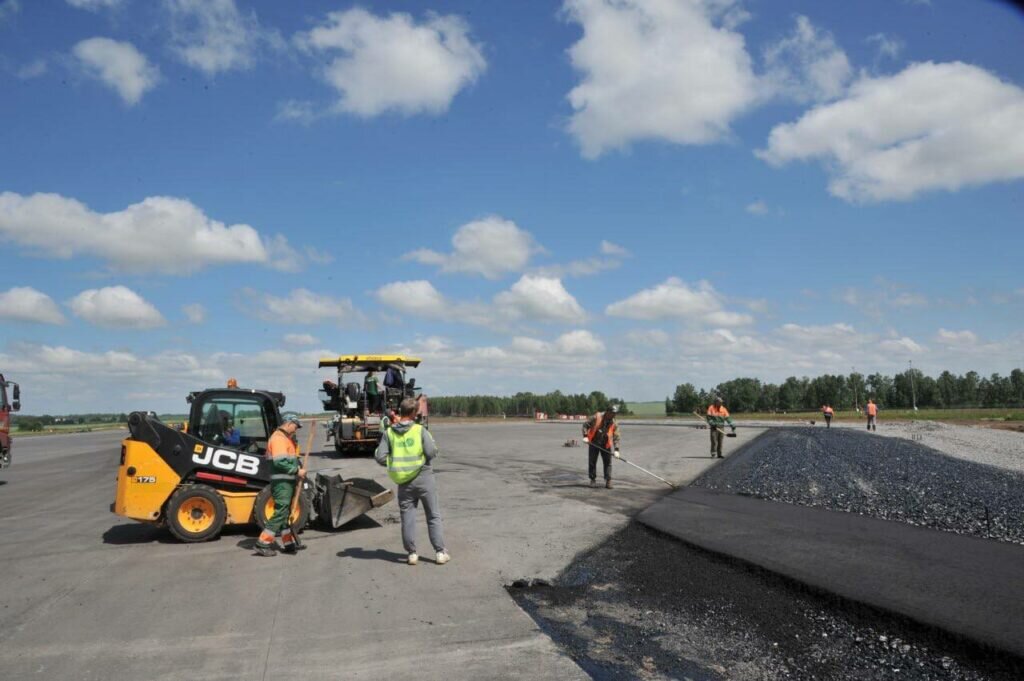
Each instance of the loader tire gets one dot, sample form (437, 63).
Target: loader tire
(196, 513)
(263, 508)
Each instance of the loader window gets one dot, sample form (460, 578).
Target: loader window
(244, 416)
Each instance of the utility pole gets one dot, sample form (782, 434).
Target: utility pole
(913, 393)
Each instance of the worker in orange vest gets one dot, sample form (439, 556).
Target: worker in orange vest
(871, 409)
(718, 417)
(828, 413)
(286, 473)
(602, 434)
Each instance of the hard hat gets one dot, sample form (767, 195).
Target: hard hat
(291, 417)
(613, 408)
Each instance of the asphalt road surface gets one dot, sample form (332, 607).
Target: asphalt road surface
(86, 595)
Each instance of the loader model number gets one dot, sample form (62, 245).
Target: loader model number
(145, 479)
(227, 460)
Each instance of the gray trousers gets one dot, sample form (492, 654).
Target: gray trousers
(422, 488)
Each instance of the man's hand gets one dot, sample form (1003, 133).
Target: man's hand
(586, 439)
(302, 472)
(617, 455)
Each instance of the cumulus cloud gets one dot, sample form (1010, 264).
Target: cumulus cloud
(807, 65)
(213, 36)
(116, 307)
(641, 61)
(194, 313)
(757, 208)
(25, 304)
(675, 299)
(418, 298)
(956, 338)
(929, 127)
(95, 5)
(611, 258)
(491, 247)
(539, 298)
(888, 47)
(301, 306)
(394, 63)
(159, 234)
(119, 66)
(300, 339)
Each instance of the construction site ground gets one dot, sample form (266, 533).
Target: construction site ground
(87, 595)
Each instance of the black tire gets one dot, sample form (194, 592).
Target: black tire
(263, 499)
(203, 505)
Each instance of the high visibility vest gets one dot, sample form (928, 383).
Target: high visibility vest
(872, 409)
(609, 434)
(405, 455)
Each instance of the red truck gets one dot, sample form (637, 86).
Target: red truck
(6, 407)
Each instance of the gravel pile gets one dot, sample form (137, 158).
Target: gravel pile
(1002, 448)
(645, 606)
(884, 477)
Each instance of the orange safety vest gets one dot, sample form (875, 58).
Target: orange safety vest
(596, 427)
(872, 409)
(828, 410)
(281, 445)
(720, 412)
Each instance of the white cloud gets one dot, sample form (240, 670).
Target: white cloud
(118, 65)
(159, 234)
(641, 63)
(956, 338)
(213, 36)
(418, 298)
(95, 5)
(757, 208)
(610, 259)
(929, 127)
(394, 63)
(806, 65)
(579, 342)
(32, 69)
(888, 46)
(539, 298)
(648, 337)
(116, 307)
(194, 313)
(300, 339)
(675, 299)
(608, 248)
(902, 345)
(884, 294)
(491, 247)
(25, 304)
(301, 306)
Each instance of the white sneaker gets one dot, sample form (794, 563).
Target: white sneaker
(443, 557)
(413, 559)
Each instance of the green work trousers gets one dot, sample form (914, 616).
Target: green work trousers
(717, 434)
(282, 491)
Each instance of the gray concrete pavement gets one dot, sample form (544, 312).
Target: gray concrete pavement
(87, 595)
(965, 585)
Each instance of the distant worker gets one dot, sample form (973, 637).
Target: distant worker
(229, 434)
(422, 410)
(407, 449)
(602, 434)
(718, 417)
(828, 413)
(871, 410)
(372, 389)
(285, 471)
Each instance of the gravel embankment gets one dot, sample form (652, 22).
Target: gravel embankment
(645, 606)
(885, 477)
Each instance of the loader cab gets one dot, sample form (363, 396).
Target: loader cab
(235, 418)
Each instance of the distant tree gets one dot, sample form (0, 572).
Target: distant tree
(685, 399)
(30, 425)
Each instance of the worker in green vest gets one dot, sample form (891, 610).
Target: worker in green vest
(407, 449)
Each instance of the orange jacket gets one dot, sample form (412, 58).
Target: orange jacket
(828, 410)
(872, 409)
(720, 412)
(281, 445)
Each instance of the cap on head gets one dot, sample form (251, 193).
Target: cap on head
(718, 400)
(291, 417)
(612, 409)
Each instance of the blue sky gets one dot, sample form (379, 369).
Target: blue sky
(603, 194)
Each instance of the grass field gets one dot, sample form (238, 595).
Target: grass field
(657, 410)
(647, 409)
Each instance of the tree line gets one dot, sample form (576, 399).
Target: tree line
(523, 404)
(901, 391)
(30, 424)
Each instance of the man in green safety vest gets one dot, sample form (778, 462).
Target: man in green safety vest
(407, 449)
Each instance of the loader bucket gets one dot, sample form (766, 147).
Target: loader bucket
(342, 501)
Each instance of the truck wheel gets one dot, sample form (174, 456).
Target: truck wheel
(196, 513)
(263, 508)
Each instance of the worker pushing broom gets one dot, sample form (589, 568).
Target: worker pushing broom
(601, 433)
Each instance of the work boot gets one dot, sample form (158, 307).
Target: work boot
(593, 482)
(442, 557)
(265, 550)
(412, 559)
(608, 484)
(720, 455)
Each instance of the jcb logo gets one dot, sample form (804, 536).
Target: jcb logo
(228, 460)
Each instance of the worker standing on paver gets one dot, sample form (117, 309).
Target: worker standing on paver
(407, 449)
(285, 471)
(372, 389)
(718, 417)
(603, 435)
(871, 410)
(828, 413)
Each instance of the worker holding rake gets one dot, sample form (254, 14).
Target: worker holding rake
(603, 436)
(718, 417)
(286, 471)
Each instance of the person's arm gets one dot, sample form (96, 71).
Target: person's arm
(429, 446)
(588, 425)
(383, 449)
(615, 439)
(233, 437)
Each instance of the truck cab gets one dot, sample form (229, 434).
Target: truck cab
(6, 407)
(237, 418)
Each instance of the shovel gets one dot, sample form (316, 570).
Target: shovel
(718, 428)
